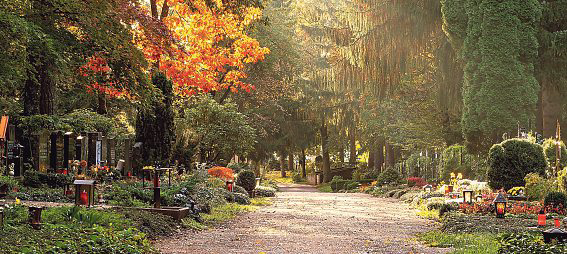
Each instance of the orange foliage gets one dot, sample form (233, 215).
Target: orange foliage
(222, 172)
(97, 73)
(211, 46)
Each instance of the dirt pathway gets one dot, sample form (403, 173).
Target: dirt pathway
(303, 220)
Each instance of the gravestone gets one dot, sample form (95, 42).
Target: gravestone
(43, 151)
(56, 151)
(104, 152)
(111, 152)
(92, 147)
(80, 147)
(68, 149)
(98, 158)
(10, 142)
(137, 157)
(127, 157)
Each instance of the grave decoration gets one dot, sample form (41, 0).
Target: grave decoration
(500, 204)
(84, 192)
(35, 216)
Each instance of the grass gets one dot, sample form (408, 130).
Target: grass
(261, 202)
(325, 187)
(463, 243)
(276, 176)
(429, 214)
(224, 213)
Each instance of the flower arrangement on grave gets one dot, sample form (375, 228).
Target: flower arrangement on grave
(517, 191)
(148, 168)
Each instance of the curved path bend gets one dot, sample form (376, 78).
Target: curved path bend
(303, 220)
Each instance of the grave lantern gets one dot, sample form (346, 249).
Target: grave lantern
(468, 196)
(500, 203)
(84, 192)
(478, 198)
(35, 216)
(556, 221)
(541, 218)
(428, 188)
(229, 184)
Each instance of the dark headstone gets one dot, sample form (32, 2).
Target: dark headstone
(111, 152)
(68, 149)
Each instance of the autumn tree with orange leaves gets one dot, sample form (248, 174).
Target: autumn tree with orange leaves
(210, 46)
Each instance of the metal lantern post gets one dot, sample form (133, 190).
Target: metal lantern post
(468, 196)
(1, 218)
(500, 203)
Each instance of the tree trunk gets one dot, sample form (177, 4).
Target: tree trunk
(551, 107)
(389, 155)
(325, 151)
(46, 89)
(101, 109)
(282, 163)
(303, 162)
(352, 145)
(379, 164)
(290, 162)
(371, 156)
(341, 154)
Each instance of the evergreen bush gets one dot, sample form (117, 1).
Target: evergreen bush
(549, 149)
(389, 176)
(247, 179)
(511, 160)
(556, 199)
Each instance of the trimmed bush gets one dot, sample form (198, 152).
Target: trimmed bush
(389, 176)
(241, 199)
(36, 179)
(445, 208)
(338, 184)
(239, 189)
(247, 179)
(262, 191)
(556, 200)
(511, 160)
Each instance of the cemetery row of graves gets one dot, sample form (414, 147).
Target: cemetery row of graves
(520, 206)
(87, 191)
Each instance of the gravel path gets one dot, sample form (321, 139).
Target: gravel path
(302, 220)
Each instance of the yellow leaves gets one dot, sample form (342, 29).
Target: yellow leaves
(209, 41)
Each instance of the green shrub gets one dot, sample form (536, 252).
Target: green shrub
(537, 187)
(337, 184)
(9, 181)
(445, 208)
(239, 189)
(351, 185)
(562, 179)
(152, 224)
(242, 199)
(549, 148)
(238, 167)
(527, 243)
(511, 160)
(556, 199)
(262, 191)
(36, 179)
(247, 180)
(42, 195)
(389, 176)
